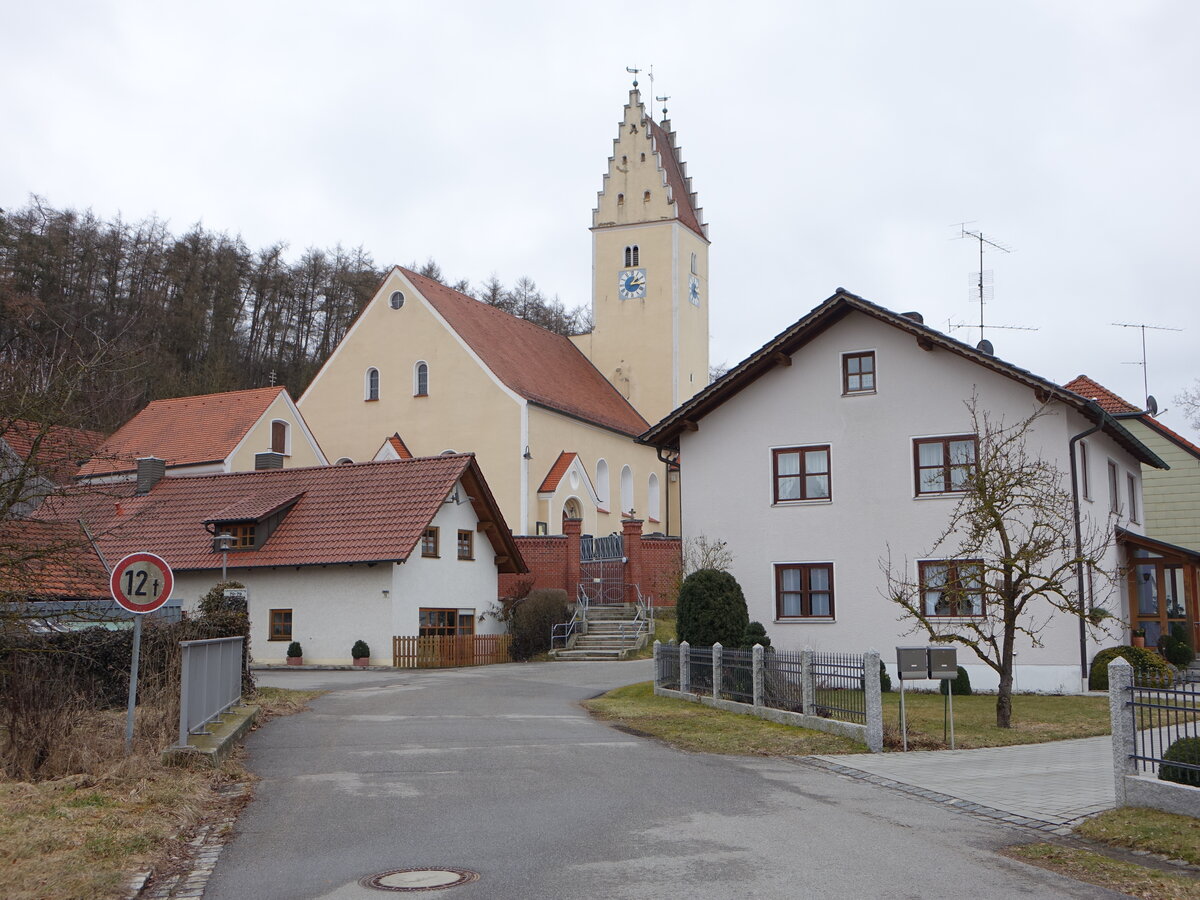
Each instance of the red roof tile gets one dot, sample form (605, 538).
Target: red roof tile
(50, 561)
(1106, 399)
(365, 512)
(183, 431)
(60, 451)
(684, 209)
(543, 367)
(399, 446)
(557, 471)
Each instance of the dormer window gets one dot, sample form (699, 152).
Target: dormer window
(249, 522)
(243, 535)
(631, 256)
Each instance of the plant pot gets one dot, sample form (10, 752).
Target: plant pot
(363, 662)
(295, 660)
(1138, 641)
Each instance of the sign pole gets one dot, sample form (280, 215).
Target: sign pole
(903, 719)
(133, 677)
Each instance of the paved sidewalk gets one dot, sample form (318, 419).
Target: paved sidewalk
(1051, 786)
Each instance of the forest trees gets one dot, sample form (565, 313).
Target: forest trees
(1007, 560)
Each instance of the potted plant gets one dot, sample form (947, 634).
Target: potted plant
(295, 654)
(1139, 637)
(361, 653)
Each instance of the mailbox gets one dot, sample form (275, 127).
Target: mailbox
(943, 662)
(912, 662)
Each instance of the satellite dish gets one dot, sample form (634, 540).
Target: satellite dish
(985, 346)
(1151, 405)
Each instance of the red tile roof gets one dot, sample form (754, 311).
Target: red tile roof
(60, 451)
(684, 209)
(557, 471)
(50, 561)
(183, 431)
(1106, 399)
(543, 367)
(399, 446)
(365, 512)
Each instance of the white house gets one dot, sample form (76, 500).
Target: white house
(329, 554)
(837, 446)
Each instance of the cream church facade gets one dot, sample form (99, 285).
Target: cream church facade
(552, 420)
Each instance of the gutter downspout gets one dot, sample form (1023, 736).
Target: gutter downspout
(667, 474)
(1083, 667)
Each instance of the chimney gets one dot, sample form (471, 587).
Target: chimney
(268, 459)
(150, 470)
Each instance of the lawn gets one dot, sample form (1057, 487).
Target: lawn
(84, 836)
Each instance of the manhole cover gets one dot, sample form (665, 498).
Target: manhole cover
(423, 878)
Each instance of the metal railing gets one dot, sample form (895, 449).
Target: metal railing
(783, 680)
(593, 548)
(564, 631)
(1164, 711)
(700, 663)
(666, 667)
(737, 676)
(838, 687)
(210, 683)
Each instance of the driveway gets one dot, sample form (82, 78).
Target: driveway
(498, 770)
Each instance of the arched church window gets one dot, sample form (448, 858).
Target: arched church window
(653, 503)
(371, 388)
(421, 380)
(620, 199)
(626, 489)
(646, 197)
(631, 256)
(602, 483)
(694, 272)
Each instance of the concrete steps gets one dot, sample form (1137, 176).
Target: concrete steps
(604, 639)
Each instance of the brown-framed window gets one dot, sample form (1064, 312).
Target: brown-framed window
(435, 622)
(281, 625)
(429, 541)
(804, 591)
(1114, 495)
(951, 587)
(1085, 481)
(243, 534)
(1132, 486)
(858, 373)
(943, 465)
(279, 437)
(466, 544)
(801, 473)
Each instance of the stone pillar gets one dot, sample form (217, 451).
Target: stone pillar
(685, 668)
(874, 701)
(631, 536)
(717, 655)
(657, 670)
(1124, 735)
(808, 692)
(756, 663)
(572, 528)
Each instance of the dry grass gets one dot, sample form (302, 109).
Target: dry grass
(84, 835)
(1117, 875)
(691, 726)
(1164, 833)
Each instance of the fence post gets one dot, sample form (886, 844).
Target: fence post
(808, 692)
(685, 667)
(1124, 735)
(756, 667)
(874, 701)
(717, 655)
(657, 664)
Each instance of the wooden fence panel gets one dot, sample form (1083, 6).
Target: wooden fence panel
(449, 650)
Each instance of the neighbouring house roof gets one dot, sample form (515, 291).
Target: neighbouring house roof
(1123, 409)
(60, 451)
(544, 368)
(399, 446)
(183, 431)
(681, 194)
(778, 352)
(361, 513)
(47, 560)
(1156, 546)
(557, 471)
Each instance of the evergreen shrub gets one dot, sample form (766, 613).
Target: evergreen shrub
(1184, 750)
(711, 609)
(294, 649)
(755, 634)
(1138, 657)
(962, 684)
(360, 650)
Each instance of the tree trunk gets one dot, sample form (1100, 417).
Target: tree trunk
(1004, 699)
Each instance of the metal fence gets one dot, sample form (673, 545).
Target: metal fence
(1164, 711)
(210, 683)
(737, 676)
(783, 680)
(609, 547)
(700, 664)
(838, 687)
(666, 667)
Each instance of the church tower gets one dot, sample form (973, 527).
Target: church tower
(649, 270)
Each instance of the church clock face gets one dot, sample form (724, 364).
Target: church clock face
(694, 290)
(631, 284)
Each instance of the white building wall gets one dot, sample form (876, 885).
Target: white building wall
(873, 515)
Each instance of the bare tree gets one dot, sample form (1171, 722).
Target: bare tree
(1189, 399)
(1006, 563)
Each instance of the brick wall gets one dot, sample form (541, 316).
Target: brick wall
(661, 559)
(547, 561)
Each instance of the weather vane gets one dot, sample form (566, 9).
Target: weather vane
(633, 70)
(663, 101)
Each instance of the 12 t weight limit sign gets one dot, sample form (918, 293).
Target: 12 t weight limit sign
(141, 582)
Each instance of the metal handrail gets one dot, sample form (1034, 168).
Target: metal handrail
(568, 631)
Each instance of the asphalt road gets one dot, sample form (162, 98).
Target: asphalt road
(499, 771)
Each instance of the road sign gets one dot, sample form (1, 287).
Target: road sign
(141, 582)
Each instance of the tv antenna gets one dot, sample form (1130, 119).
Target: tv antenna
(983, 281)
(1150, 402)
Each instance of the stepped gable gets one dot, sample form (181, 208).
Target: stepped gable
(544, 368)
(682, 195)
(361, 513)
(183, 431)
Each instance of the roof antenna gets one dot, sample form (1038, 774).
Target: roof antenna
(663, 101)
(632, 70)
(1150, 401)
(982, 282)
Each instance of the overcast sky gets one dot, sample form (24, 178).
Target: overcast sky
(832, 144)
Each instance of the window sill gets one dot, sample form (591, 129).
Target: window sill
(859, 393)
(784, 504)
(419, 395)
(466, 559)
(807, 620)
(281, 640)
(370, 399)
(940, 495)
(430, 556)
(953, 620)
